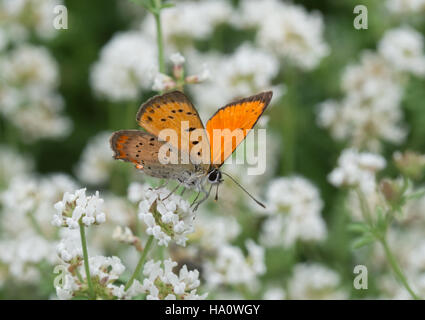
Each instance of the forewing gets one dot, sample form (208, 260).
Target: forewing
(237, 117)
(174, 111)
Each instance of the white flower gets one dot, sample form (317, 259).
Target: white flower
(106, 269)
(274, 293)
(135, 192)
(247, 71)
(403, 48)
(68, 287)
(287, 29)
(96, 160)
(357, 169)
(294, 207)
(178, 22)
(104, 272)
(28, 198)
(371, 78)
(163, 284)
(201, 76)
(214, 231)
(177, 59)
(13, 164)
(29, 16)
(256, 256)
(162, 82)
(22, 255)
(41, 117)
(370, 111)
(230, 266)
(31, 66)
(167, 218)
(69, 247)
(406, 6)
(74, 207)
(125, 67)
(314, 281)
(124, 235)
(28, 98)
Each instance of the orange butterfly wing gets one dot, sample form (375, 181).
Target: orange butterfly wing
(174, 111)
(237, 117)
(143, 150)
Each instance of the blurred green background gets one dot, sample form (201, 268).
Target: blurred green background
(306, 149)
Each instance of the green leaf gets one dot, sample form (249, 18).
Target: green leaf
(358, 227)
(143, 3)
(416, 195)
(167, 5)
(381, 222)
(363, 241)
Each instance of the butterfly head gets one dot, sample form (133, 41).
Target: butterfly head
(214, 176)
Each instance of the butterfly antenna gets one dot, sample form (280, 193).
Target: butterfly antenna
(237, 183)
(216, 193)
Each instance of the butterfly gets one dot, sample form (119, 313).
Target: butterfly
(202, 148)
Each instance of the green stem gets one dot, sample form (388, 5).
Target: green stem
(157, 15)
(289, 133)
(290, 122)
(36, 225)
(86, 259)
(396, 268)
(364, 206)
(79, 275)
(381, 236)
(139, 264)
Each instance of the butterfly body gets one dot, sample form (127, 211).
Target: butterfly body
(194, 158)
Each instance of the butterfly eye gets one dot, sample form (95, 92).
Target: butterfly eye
(214, 176)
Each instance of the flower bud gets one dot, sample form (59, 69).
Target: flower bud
(410, 164)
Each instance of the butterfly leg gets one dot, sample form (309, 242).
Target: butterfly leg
(174, 190)
(207, 194)
(183, 191)
(196, 198)
(162, 185)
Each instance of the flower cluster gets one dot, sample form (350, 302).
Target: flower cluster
(77, 206)
(314, 281)
(162, 283)
(28, 98)
(406, 6)
(104, 272)
(230, 266)
(96, 160)
(125, 235)
(21, 257)
(29, 201)
(225, 264)
(167, 217)
(163, 82)
(357, 169)
(27, 207)
(23, 18)
(247, 70)
(370, 111)
(115, 78)
(13, 164)
(179, 20)
(403, 48)
(293, 210)
(289, 30)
